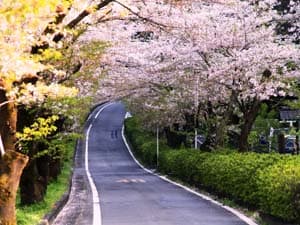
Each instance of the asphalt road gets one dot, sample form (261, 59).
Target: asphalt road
(131, 196)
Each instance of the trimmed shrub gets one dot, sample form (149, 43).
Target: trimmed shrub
(148, 153)
(234, 175)
(182, 164)
(279, 190)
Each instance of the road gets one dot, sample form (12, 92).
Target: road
(128, 194)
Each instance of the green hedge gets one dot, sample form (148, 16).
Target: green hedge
(267, 182)
(279, 190)
(235, 175)
(181, 164)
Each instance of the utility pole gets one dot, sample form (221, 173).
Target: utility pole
(196, 109)
(157, 147)
(196, 142)
(271, 134)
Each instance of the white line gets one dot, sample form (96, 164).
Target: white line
(96, 202)
(103, 109)
(97, 218)
(89, 117)
(130, 152)
(246, 219)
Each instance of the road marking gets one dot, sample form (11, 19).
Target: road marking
(128, 115)
(96, 202)
(89, 117)
(243, 217)
(130, 152)
(131, 181)
(105, 106)
(122, 181)
(97, 218)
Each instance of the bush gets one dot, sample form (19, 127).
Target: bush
(148, 153)
(182, 164)
(279, 190)
(234, 175)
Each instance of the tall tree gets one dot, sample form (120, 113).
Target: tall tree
(30, 33)
(21, 23)
(200, 58)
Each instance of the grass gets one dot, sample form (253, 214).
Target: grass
(32, 214)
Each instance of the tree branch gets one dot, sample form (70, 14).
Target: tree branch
(6, 102)
(141, 17)
(60, 15)
(87, 12)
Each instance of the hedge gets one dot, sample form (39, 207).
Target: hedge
(269, 183)
(279, 190)
(234, 175)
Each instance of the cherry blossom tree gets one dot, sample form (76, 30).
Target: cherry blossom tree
(21, 24)
(30, 33)
(197, 59)
(288, 19)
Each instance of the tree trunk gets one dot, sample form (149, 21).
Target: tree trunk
(174, 139)
(11, 167)
(249, 118)
(8, 124)
(281, 143)
(221, 132)
(12, 163)
(33, 186)
(54, 168)
(34, 180)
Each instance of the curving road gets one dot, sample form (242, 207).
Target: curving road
(128, 194)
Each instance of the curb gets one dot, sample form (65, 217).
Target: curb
(50, 217)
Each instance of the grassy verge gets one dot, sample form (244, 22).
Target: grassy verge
(29, 215)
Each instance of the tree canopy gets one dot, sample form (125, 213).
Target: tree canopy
(200, 59)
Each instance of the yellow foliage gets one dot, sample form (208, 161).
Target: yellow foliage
(22, 24)
(51, 54)
(41, 128)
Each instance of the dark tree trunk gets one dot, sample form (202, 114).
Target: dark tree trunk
(32, 186)
(249, 117)
(54, 168)
(174, 140)
(281, 143)
(221, 133)
(35, 177)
